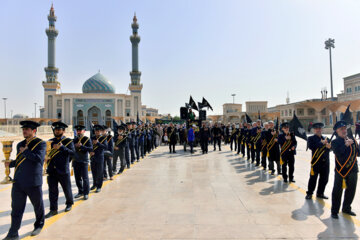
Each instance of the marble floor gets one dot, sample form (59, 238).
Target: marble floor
(218, 195)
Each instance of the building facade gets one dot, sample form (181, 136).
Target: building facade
(98, 103)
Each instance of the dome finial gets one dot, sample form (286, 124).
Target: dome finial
(135, 18)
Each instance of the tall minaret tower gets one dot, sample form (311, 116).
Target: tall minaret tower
(51, 85)
(135, 87)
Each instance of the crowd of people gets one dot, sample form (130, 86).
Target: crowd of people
(263, 144)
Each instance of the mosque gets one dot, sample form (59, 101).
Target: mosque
(98, 103)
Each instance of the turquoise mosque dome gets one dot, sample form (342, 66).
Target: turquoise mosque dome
(98, 84)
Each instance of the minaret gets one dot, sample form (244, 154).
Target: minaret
(135, 87)
(51, 85)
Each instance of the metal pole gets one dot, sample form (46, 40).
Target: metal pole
(5, 107)
(35, 110)
(331, 78)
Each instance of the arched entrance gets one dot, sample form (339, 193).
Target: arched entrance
(108, 118)
(80, 117)
(94, 115)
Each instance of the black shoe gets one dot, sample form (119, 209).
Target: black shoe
(79, 195)
(86, 197)
(36, 231)
(128, 166)
(220, 149)
(321, 196)
(98, 190)
(273, 172)
(257, 164)
(292, 180)
(214, 149)
(138, 160)
(334, 216)
(308, 196)
(285, 181)
(68, 208)
(92, 188)
(174, 152)
(351, 213)
(51, 214)
(11, 238)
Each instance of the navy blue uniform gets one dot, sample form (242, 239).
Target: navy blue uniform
(273, 151)
(80, 164)
(119, 152)
(97, 161)
(319, 165)
(59, 171)
(131, 140)
(263, 148)
(287, 155)
(346, 170)
(27, 183)
(107, 159)
(136, 144)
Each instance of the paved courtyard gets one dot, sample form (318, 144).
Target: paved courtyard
(183, 196)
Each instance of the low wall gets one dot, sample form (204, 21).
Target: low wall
(42, 130)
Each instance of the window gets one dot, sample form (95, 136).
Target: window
(300, 112)
(356, 89)
(311, 111)
(59, 103)
(348, 90)
(127, 103)
(127, 112)
(290, 112)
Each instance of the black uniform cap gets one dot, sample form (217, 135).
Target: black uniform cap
(318, 125)
(29, 124)
(285, 124)
(98, 127)
(80, 127)
(59, 125)
(339, 124)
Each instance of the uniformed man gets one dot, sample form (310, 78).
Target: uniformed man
(83, 146)
(108, 154)
(288, 143)
(171, 132)
(273, 150)
(247, 132)
(131, 141)
(119, 150)
(346, 151)
(127, 146)
(257, 142)
(240, 139)
(263, 145)
(58, 170)
(233, 135)
(30, 154)
(141, 140)
(136, 141)
(150, 138)
(320, 150)
(217, 134)
(97, 158)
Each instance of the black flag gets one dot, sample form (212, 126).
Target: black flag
(187, 105)
(277, 124)
(200, 105)
(347, 117)
(137, 118)
(248, 119)
(297, 128)
(92, 133)
(193, 104)
(115, 128)
(205, 103)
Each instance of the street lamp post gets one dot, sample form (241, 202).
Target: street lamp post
(233, 95)
(35, 110)
(330, 43)
(5, 107)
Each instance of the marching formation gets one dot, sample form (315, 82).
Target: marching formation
(268, 145)
(130, 142)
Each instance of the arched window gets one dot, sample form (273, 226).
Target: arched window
(80, 117)
(108, 118)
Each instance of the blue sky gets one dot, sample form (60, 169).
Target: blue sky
(257, 49)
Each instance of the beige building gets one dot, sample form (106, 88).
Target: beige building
(256, 106)
(351, 88)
